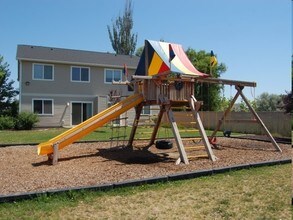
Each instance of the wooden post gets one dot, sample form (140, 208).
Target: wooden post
(55, 153)
(165, 102)
(138, 110)
(227, 111)
(195, 105)
(239, 89)
(156, 128)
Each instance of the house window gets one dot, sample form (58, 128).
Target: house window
(43, 71)
(112, 75)
(43, 106)
(146, 110)
(80, 74)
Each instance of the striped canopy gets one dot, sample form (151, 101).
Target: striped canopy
(160, 58)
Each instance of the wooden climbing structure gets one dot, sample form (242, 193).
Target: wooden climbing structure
(166, 77)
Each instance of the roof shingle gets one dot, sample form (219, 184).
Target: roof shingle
(80, 57)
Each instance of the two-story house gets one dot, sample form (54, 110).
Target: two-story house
(65, 87)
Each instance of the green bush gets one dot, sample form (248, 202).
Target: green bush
(6, 122)
(26, 121)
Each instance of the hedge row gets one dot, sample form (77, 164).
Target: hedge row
(24, 121)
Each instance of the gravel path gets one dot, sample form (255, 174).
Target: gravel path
(85, 164)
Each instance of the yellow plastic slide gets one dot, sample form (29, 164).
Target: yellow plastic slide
(90, 125)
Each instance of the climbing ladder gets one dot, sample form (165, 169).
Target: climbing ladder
(118, 131)
(165, 108)
(188, 129)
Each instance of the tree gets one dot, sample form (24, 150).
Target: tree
(122, 40)
(242, 106)
(210, 94)
(268, 102)
(139, 51)
(8, 102)
(287, 103)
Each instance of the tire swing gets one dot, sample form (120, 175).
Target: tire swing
(164, 144)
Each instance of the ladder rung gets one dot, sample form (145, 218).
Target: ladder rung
(198, 156)
(145, 132)
(191, 139)
(188, 130)
(122, 126)
(194, 147)
(186, 122)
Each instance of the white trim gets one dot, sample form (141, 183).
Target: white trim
(70, 117)
(44, 64)
(76, 63)
(80, 67)
(59, 95)
(43, 99)
(105, 70)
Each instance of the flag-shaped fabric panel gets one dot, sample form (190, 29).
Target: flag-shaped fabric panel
(171, 53)
(164, 58)
(213, 60)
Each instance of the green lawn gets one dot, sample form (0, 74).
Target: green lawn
(101, 134)
(258, 193)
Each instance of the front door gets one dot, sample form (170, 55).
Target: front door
(81, 111)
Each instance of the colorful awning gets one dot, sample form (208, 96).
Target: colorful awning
(159, 58)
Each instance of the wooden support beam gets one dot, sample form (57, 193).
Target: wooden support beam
(204, 80)
(55, 154)
(226, 82)
(239, 89)
(156, 128)
(194, 109)
(180, 146)
(138, 110)
(167, 107)
(220, 122)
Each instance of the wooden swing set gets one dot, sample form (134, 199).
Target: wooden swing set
(178, 91)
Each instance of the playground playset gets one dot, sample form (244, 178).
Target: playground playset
(165, 77)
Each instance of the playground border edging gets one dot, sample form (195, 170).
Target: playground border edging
(96, 141)
(131, 183)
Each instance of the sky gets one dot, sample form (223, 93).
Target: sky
(251, 37)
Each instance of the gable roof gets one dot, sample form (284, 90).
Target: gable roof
(160, 58)
(77, 57)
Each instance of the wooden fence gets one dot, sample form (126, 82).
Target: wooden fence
(278, 123)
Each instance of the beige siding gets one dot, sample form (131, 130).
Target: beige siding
(62, 91)
(62, 82)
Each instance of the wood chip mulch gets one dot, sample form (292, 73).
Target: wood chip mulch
(87, 164)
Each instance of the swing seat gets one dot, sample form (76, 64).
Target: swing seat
(227, 133)
(164, 145)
